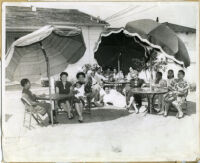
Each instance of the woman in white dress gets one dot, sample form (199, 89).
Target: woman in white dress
(112, 97)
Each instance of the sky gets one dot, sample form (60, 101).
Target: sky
(117, 14)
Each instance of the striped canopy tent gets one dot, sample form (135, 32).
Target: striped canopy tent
(130, 45)
(26, 58)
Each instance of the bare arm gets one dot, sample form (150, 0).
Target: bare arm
(57, 90)
(29, 100)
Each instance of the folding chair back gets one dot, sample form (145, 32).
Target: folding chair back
(29, 111)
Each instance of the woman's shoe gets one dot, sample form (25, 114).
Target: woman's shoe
(157, 110)
(161, 112)
(71, 116)
(180, 115)
(136, 109)
(177, 115)
(165, 114)
(80, 119)
(109, 103)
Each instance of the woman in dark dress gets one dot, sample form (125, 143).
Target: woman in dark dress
(65, 87)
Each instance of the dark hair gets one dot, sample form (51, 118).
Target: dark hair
(115, 69)
(80, 73)
(93, 70)
(62, 74)
(183, 72)
(78, 82)
(159, 73)
(106, 86)
(172, 72)
(24, 82)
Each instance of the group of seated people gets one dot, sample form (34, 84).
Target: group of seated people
(175, 97)
(90, 89)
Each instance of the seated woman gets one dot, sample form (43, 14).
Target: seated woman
(92, 79)
(98, 75)
(130, 73)
(170, 78)
(115, 74)
(40, 107)
(112, 97)
(65, 87)
(120, 75)
(159, 83)
(79, 99)
(134, 100)
(89, 92)
(178, 91)
(108, 74)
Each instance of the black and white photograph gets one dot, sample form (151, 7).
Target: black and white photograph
(100, 81)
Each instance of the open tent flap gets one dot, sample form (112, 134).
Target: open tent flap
(26, 59)
(137, 48)
(120, 47)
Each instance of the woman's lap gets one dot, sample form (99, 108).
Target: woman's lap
(42, 108)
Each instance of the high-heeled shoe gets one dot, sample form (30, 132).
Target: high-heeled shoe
(136, 109)
(165, 114)
(71, 116)
(80, 120)
(180, 115)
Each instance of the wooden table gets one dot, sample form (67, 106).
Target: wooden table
(54, 97)
(116, 82)
(150, 94)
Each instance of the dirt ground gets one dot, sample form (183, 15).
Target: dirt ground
(108, 134)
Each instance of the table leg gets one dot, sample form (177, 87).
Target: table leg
(150, 106)
(150, 98)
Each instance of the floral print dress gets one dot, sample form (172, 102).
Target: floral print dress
(178, 91)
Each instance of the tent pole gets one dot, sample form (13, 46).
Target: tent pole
(48, 75)
(150, 73)
(119, 62)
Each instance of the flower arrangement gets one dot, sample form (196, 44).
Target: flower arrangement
(157, 60)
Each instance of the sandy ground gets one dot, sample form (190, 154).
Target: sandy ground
(108, 134)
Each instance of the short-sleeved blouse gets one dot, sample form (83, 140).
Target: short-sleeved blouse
(63, 89)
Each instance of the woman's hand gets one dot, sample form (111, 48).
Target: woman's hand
(75, 91)
(34, 103)
(44, 94)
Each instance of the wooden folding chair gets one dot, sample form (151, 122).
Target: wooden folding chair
(29, 111)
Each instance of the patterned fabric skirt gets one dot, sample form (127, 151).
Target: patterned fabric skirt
(171, 97)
